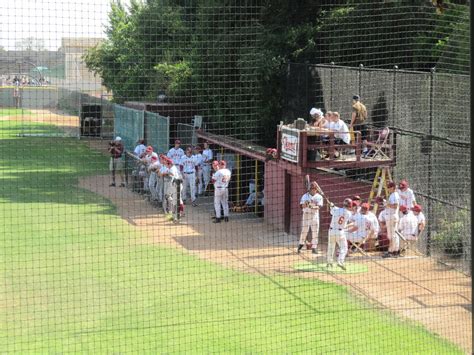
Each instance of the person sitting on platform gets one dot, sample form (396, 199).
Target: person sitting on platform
(341, 132)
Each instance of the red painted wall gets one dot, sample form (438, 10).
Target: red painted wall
(335, 187)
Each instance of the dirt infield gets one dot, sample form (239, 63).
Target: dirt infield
(415, 288)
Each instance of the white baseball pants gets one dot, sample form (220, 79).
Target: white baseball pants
(221, 198)
(310, 220)
(205, 179)
(189, 183)
(339, 238)
(152, 186)
(392, 226)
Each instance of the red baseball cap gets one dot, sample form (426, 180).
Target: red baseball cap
(365, 206)
(417, 208)
(154, 158)
(403, 208)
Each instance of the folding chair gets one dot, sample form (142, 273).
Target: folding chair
(377, 148)
(359, 246)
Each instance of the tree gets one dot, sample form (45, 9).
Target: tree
(30, 44)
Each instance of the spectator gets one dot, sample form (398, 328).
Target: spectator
(358, 119)
(116, 150)
(317, 118)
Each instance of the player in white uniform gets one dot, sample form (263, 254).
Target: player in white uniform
(418, 212)
(392, 208)
(205, 168)
(337, 232)
(310, 203)
(146, 161)
(153, 169)
(171, 198)
(199, 160)
(407, 196)
(176, 152)
(408, 225)
(188, 166)
(140, 148)
(221, 180)
(364, 227)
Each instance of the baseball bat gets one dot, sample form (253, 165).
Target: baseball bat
(307, 182)
(321, 192)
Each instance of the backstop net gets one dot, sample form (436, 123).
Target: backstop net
(238, 176)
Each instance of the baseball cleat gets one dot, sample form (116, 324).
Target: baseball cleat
(314, 251)
(341, 265)
(300, 246)
(226, 219)
(217, 220)
(112, 184)
(329, 265)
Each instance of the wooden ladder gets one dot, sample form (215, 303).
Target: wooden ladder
(380, 181)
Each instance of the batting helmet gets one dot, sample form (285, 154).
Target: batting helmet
(347, 203)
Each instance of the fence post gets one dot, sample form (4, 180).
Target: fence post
(331, 99)
(430, 162)
(394, 94)
(361, 66)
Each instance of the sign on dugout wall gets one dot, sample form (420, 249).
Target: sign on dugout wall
(290, 139)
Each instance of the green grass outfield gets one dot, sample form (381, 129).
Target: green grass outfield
(75, 281)
(13, 112)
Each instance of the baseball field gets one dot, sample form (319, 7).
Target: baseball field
(80, 278)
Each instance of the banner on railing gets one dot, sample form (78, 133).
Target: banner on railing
(290, 139)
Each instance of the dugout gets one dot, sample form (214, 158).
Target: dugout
(283, 176)
(90, 120)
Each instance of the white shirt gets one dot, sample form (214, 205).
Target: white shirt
(147, 157)
(383, 216)
(421, 218)
(156, 166)
(175, 155)
(407, 198)
(342, 131)
(374, 222)
(313, 200)
(199, 159)
(207, 156)
(392, 213)
(139, 150)
(174, 173)
(221, 178)
(363, 227)
(340, 218)
(408, 225)
(188, 163)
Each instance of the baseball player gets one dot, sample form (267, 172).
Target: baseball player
(364, 227)
(206, 168)
(152, 169)
(392, 218)
(337, 232)
(310, 203)
(372, 218)
(171, 175)
(146, 161)
(382, 218)
(407, 197)
(188, 166)
(408, 225)
(221, 180)
(417, 211)
(199, 161)
(176, 152)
